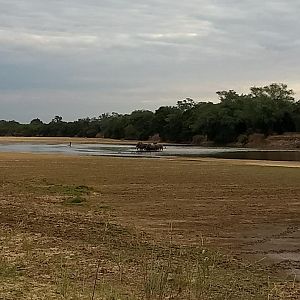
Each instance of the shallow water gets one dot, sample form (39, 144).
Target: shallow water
(130, 151)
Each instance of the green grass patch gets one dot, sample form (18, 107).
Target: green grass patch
(77, 200)
(8, 270)
(61, 189)
(69, 190)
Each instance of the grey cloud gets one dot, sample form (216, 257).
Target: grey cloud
(96, 56)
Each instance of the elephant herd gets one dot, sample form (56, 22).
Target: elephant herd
(149, 147)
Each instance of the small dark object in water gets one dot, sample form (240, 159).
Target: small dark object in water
(149, 147)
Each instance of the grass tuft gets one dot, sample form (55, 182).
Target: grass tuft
(75, 201)
(8, 270)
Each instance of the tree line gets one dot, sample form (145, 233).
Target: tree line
(267, 110)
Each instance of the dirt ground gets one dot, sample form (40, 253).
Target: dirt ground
(61, 216)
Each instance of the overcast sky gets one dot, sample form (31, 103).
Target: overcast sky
(78, 58)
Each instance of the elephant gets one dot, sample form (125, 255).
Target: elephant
(140, 146)
(149, 147)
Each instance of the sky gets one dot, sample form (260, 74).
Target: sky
(82, 58)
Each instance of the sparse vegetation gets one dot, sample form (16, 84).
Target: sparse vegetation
(68, 190)
(55, 251)
(7, 270)
(75, 200)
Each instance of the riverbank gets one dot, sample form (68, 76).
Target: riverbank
(118, 148)
(63, 140)
(63, 217)
(289, 141)
(284, 141)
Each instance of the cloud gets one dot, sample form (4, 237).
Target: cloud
(53, 40)
(96, 56)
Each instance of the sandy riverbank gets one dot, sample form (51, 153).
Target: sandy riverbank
(63, 140)
(59, 214)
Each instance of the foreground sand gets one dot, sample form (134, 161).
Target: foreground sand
(62, 217)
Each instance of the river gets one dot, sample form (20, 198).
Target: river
(170, 150)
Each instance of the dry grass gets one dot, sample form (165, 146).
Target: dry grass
(62, 218)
